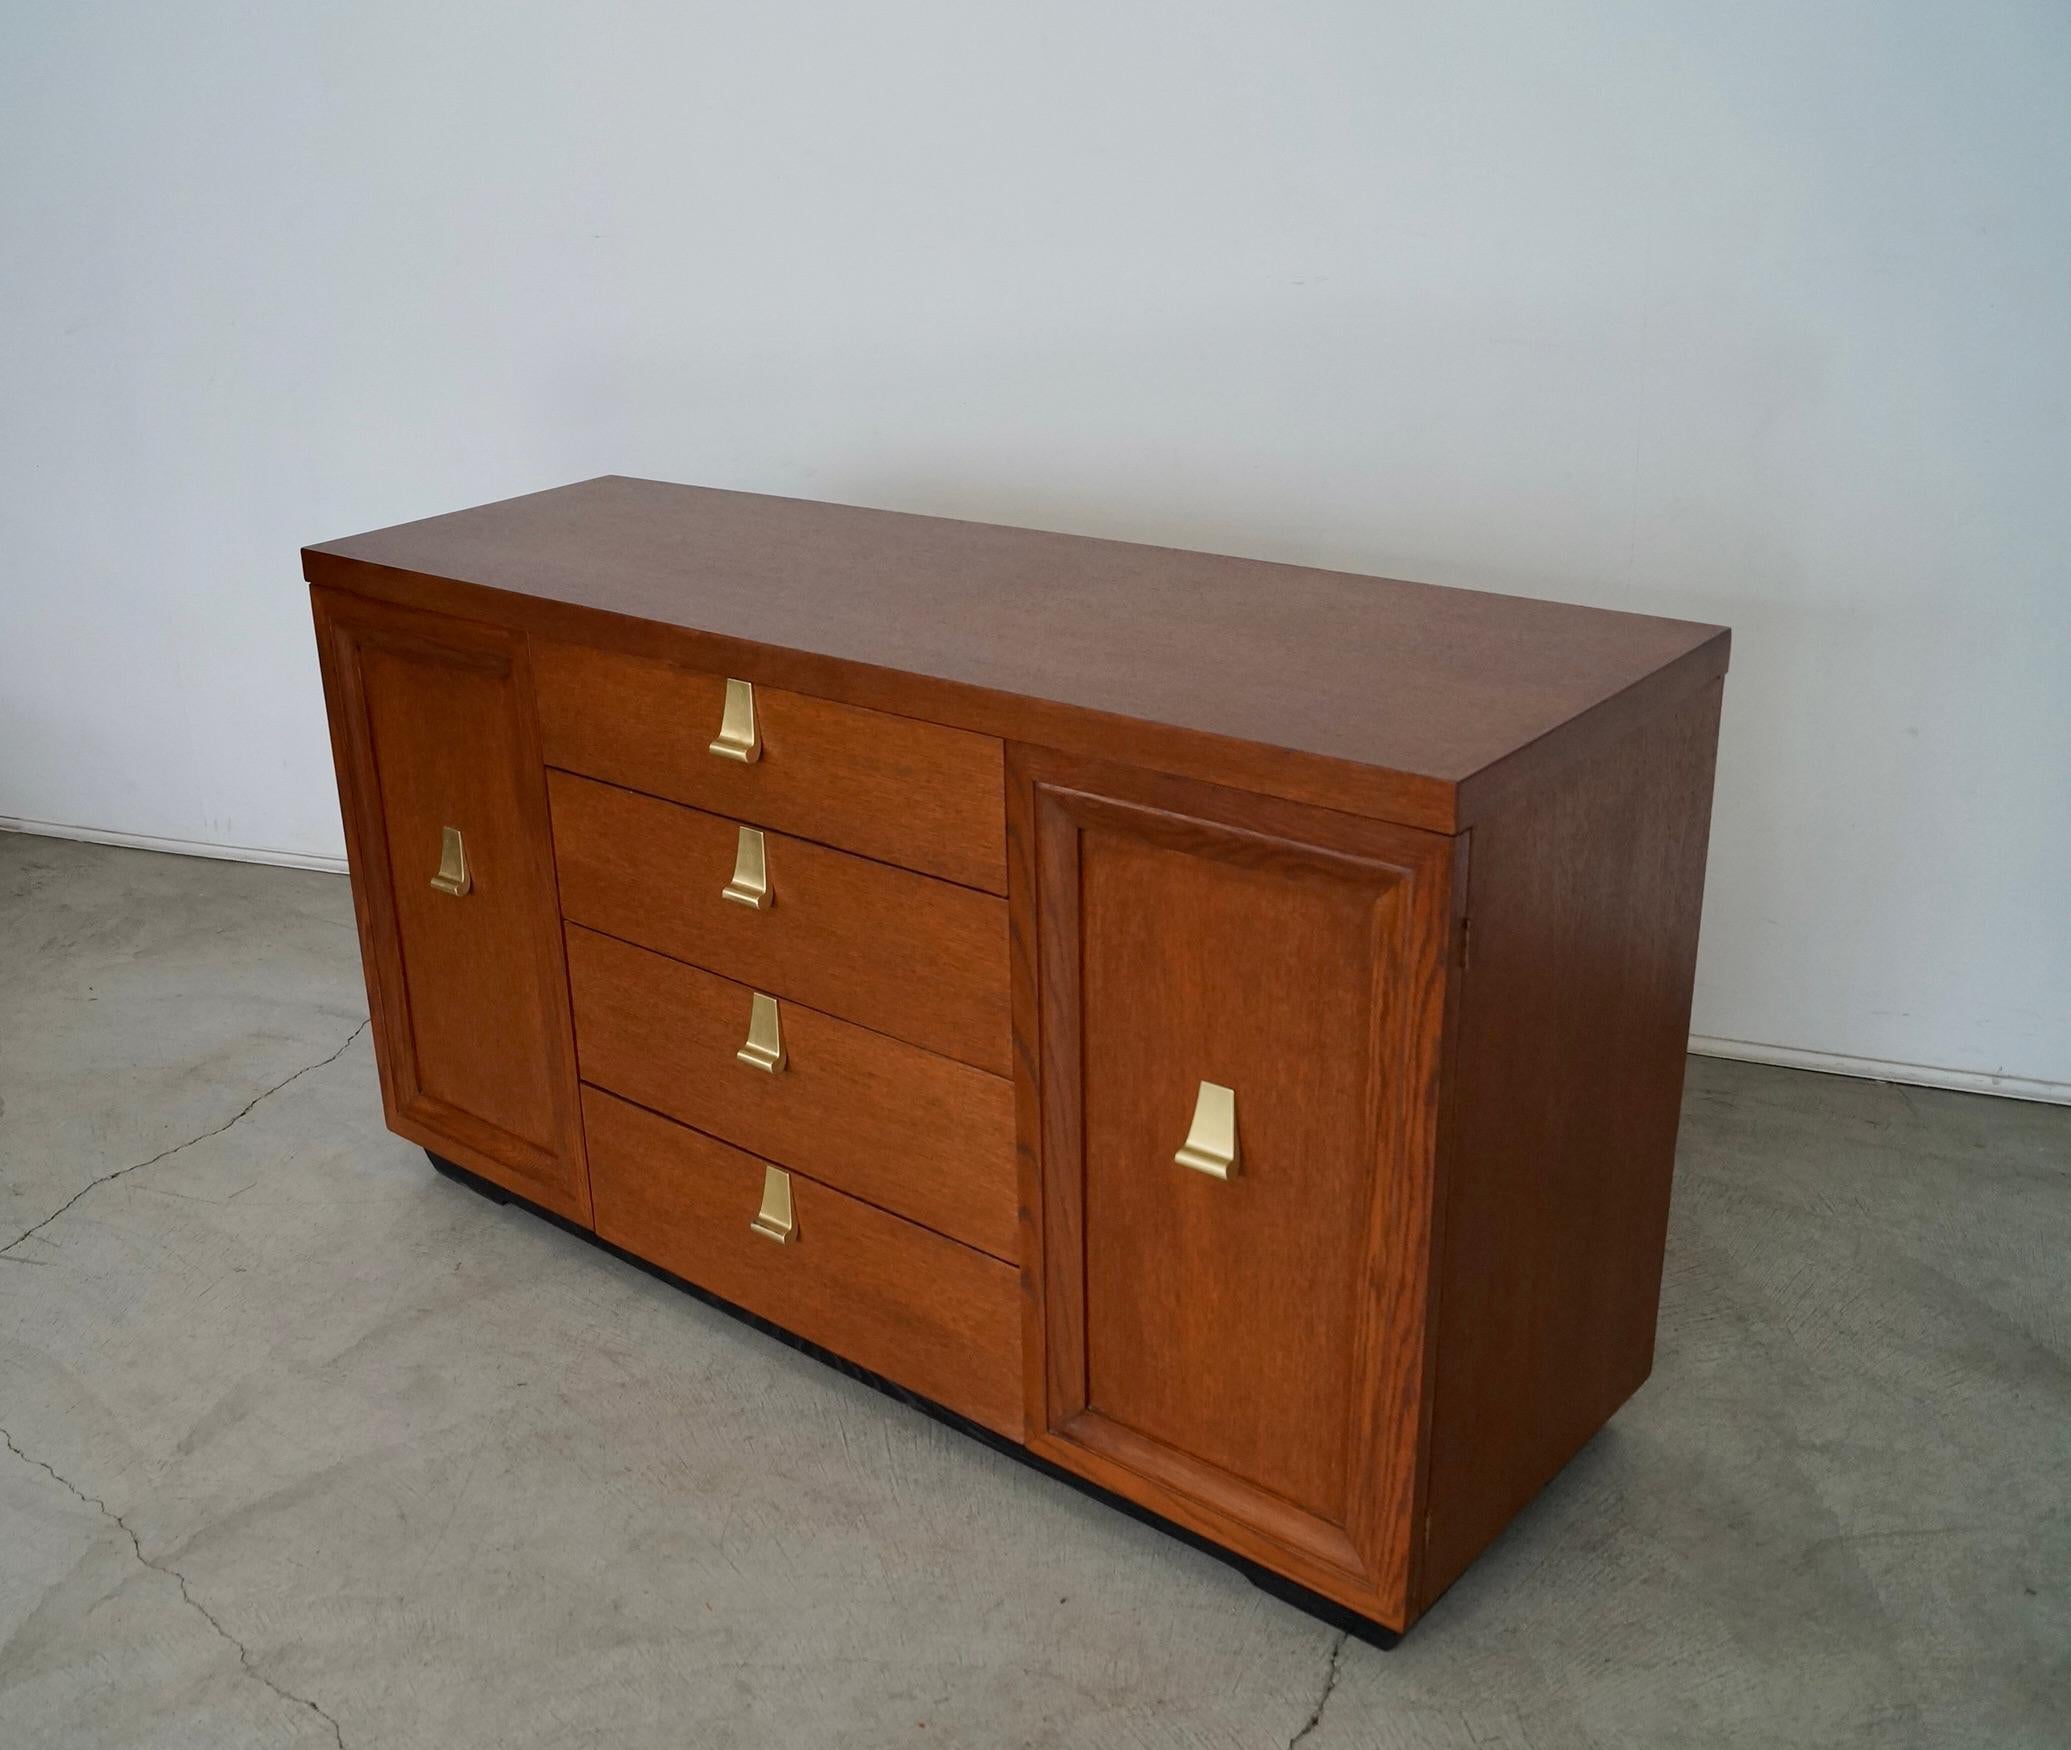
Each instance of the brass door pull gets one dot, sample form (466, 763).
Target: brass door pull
(738, 738)
(750, 883)
(765, 1044)
(1211, 1144)
(453, 876)
(774, 1220)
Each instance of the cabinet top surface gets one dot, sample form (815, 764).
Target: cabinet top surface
(1419, 679)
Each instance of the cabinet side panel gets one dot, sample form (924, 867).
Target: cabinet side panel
(1558, 1139)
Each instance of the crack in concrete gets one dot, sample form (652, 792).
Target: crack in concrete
(1330, 1683)
(167, 1153)
(244, 1655)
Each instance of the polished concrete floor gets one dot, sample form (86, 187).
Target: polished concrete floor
(307, 1446)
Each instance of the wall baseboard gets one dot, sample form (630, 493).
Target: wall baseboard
(143, 841)
(1873, 1069)
(1877, 1069)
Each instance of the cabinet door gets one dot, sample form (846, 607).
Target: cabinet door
(444, 795)
(1239, 1050)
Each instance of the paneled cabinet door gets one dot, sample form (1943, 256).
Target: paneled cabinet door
(445, 810)
(1239, 1052)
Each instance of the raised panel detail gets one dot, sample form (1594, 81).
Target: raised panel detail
(1218, 1314)
(1246, 1339)
(445, 809)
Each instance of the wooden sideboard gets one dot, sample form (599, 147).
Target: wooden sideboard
(1217, 1025)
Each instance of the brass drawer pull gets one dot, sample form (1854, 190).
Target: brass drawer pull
(765, 1046)
(453, 876)
(738, 737)
(750, 883)
(774, 1220)
(1211, 1144)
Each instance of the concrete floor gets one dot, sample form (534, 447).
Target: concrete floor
(307, 1446)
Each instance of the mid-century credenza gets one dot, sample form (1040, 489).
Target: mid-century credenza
(1216, 1025)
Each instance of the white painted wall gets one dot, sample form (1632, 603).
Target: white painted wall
(1754, 313)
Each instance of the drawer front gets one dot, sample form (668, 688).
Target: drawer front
(894, 788)
(932, 1315)
(918, 1134)
(908, 955)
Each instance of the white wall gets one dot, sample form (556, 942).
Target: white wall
(1753, 313)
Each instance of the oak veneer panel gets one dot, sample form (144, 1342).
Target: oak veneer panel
(921, 959)
(904, 792)
(1567, 1080)
(923, 1135)
(1253, 1347)
(1381, 697)
(431, 727)
(1204, 968)
(924, 1311)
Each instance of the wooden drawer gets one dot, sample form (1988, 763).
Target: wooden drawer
(918, 958)
(932, 1315)
(894, 788)
(921, 1135)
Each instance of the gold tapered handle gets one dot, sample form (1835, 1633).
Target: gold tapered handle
(765, 1045)
(453, 876)
(738, 738)
(774, 1220)
(1211, 1144)
(750, 883)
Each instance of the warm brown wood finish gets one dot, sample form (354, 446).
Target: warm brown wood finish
(904, 792)
(926, 1137)
(1192, 1322)
(431, 725)
(921, 959)
(1573, 1015)
(1057, 831)
(1384, 698)
(924, 1311)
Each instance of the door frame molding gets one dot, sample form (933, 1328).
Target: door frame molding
(550, 1170)
(1366, 1560)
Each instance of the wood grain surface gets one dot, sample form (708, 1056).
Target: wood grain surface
(431, 726)
(1377, 696)
(1056, 831)
(902, 791)
(1560, 1130)
(935, 1316)
(1254, 1346)
(921, 959)
(923, 1135)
